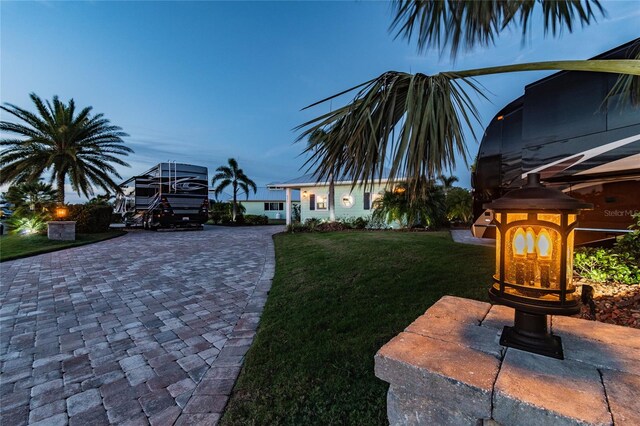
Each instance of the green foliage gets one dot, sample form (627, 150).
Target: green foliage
(295, 212)
(221, 212)
(254, 219)
(29, 223)
(232, 175)
(619, 264)
(90, 218)
(31, 197)
(630, 243)
(606, 265)
(459, 205)
(63, 141)
(426, 207)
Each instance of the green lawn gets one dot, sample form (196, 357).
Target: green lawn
(336, 299)
(16, 246)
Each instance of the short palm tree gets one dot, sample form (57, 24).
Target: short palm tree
(29, 197)
(234, 176)
(415, 123)
(63, 141)
(447, 182)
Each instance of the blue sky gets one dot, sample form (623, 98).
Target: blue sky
(199, 82)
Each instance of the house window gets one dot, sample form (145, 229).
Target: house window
(273, 207)
(321, 202)
(347, 200)
(367, 201)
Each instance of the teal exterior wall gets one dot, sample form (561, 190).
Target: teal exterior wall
(342, 211)
(257, 208)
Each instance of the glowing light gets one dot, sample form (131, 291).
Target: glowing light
(519, 242)
(543, 244)
(531, 240)
(500, 117)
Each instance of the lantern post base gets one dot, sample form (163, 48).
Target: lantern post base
(530, 334)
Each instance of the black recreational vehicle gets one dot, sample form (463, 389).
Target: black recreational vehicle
(562, 128)
(169, 195)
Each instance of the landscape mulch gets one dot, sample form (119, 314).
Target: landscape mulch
(614, 304)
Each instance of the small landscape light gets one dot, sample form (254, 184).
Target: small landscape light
(534, 263)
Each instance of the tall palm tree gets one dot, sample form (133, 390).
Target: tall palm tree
(316, 139)
(234, 176)
(417, 122)
(65, 142)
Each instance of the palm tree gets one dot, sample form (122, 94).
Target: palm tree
(316, 140)
(31, 197)
(447, 182)
(417, 121)
(57, 139)
(234, 176)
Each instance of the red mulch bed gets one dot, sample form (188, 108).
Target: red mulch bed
(614, 304)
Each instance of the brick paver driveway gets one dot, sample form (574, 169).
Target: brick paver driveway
(150, 327)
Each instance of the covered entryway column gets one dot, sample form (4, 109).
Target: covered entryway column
(287, 208)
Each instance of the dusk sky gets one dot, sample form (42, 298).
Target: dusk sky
(199, 82)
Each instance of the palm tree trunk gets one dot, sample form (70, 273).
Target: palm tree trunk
(331, 201)
(60, 183)
(235, 197)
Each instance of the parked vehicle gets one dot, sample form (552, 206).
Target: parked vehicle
(169, 195)
(561, 129)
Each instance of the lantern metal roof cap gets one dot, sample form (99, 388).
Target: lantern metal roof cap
(535, 196)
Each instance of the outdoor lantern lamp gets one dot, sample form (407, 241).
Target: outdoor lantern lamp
(61, 212)
(534, 263)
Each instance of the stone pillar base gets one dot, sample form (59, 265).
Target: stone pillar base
(61, 230)
(448, 368)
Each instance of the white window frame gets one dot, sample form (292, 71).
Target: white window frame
(326, 202)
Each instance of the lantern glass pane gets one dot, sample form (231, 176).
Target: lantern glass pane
(498, 238)
(532, 260)
(550, 217)
(570, 286)
(571, 219)
(512, 217)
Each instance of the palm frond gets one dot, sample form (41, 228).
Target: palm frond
(461, 25)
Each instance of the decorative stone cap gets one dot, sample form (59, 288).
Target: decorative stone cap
(448, 367)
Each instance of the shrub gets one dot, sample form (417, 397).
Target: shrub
(618, 264)
(630, 243)
(90, 218)
(297, 227)
(330, 227)
(312, 223)
(254, 219)
(355, 222)
(606, 265)
(35, 223)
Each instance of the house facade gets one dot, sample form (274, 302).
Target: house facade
(350, 201)
(266, 201)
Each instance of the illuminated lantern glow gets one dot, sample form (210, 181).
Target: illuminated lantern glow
(61, 212)
(519, 242)
(543, 244)
(534, 252)
(531, 238)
